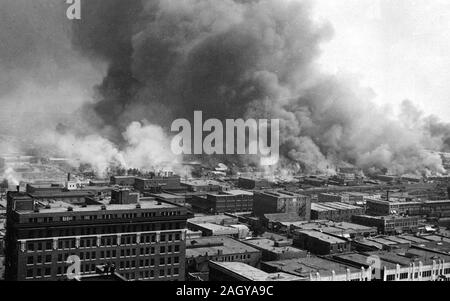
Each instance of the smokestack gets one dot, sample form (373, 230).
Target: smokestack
(68, 177)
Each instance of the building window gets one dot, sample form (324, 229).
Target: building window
(30, 273)
(30, 260)
(30, 246)
(161, 273)
(390, 277)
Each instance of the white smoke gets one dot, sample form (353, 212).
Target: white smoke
(147, 149)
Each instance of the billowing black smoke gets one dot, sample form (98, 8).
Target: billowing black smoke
(234, 59)
(227, 58)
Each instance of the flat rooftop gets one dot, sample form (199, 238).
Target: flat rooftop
(333, 227)
(283, 217)
(322, 236)
(303, 267)
(361, 260)
(269, 245)
(213, 245)
(62, 207)
(218, 229)
(281, 194)
(413, 239)
(254, 274)
(201, 183)
(329, 206)
(215, 219)
(387, 217)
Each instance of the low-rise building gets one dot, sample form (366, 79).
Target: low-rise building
(342, 229)
(318, 269)
(224, 201)
(281, 202)
(253, 183)
(169, 197)
(332, 197)
(407, 264)
(320, 243)
(157, 184)
(220, 249)
(238, 271)
(275, 250)
(277, 221)
(209, 229)
(391, 224)
(204, 185)
(126, 181)
(334, 211)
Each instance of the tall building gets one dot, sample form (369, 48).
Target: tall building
(143, 241)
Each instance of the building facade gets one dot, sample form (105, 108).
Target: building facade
(226, 201)
(281, 202)
(143, 241)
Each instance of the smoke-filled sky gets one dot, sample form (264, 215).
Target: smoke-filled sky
(108, 87)
(399, 48)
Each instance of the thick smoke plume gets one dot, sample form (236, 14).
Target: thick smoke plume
(163, 59)
(235, 59)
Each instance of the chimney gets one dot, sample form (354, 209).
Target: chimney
(68, 177)
(18, 188)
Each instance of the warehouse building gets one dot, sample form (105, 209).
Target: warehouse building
(391, 224)
(221, 249)
(320, 243)
(226, 201)
(281, 202)
(337, 212)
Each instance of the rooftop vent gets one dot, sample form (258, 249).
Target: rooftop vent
(70, 209)
(138, 206)
(103, 207)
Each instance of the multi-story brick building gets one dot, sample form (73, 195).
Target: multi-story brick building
(320, 243)
(157, 184)
(432, 208)
(221, 249)
(144, 241)
(281, 202)
(226, 201)
(390, 224)
(333, 211)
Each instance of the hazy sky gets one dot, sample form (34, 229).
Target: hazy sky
(400, 48)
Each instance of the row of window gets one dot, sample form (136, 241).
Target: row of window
(104, 242)
(83, 230)
(405, 275)
(103, 217)
(43, 272)
(108, 254)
